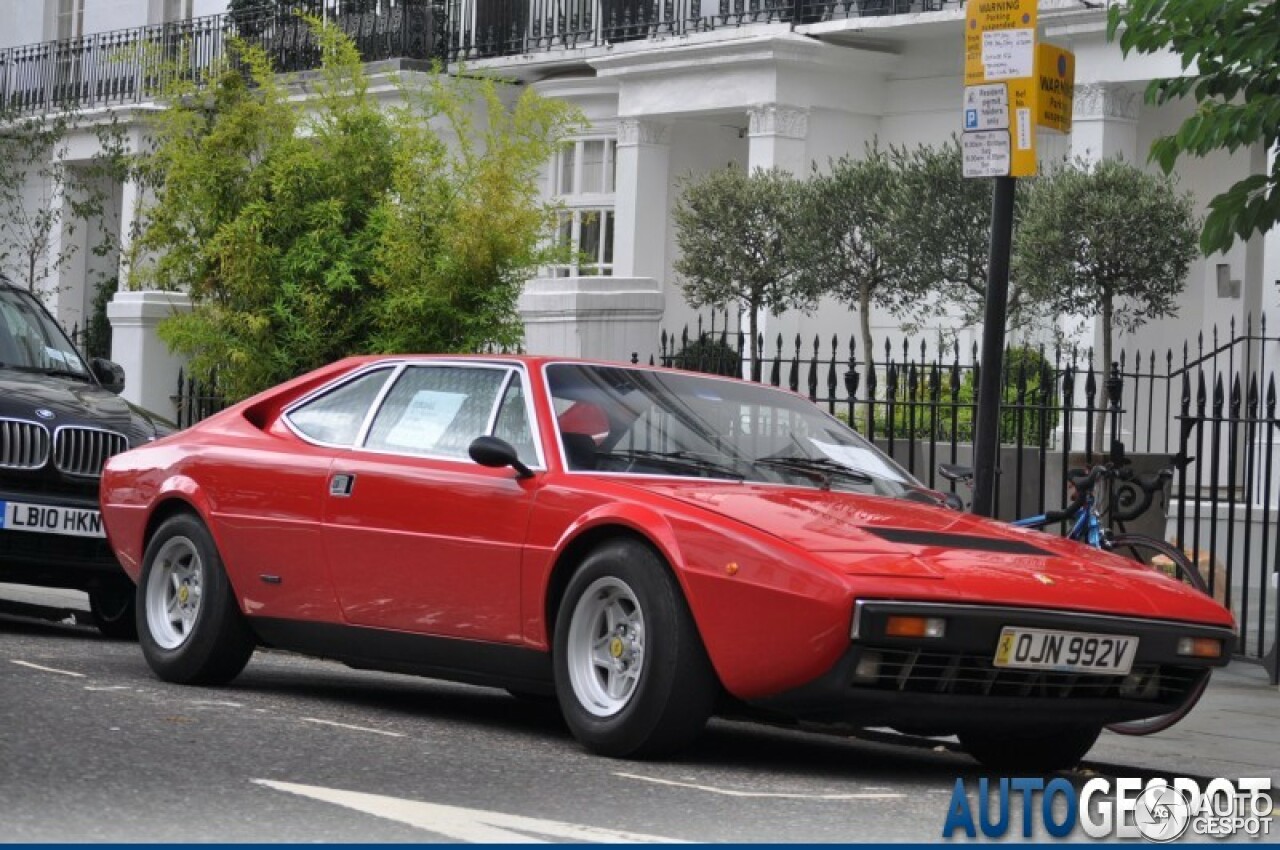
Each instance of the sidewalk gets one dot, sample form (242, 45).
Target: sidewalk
(1233, 732)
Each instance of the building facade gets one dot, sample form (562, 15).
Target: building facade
(671, 89)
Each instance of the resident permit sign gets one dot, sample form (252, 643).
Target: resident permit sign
(986, 107)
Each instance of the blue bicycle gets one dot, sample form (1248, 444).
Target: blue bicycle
(1131, 496)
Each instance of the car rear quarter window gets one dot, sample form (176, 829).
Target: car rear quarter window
(437, 410)
(336, 416)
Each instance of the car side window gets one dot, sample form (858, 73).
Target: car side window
(512, 423)
(436, 410)
(336, 416)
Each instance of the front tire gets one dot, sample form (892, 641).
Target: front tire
(112, 609)
(1030, 751)
(632, 677)
(189, 623)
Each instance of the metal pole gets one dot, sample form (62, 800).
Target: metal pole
(986, 441)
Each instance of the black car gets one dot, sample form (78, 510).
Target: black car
(60, 419)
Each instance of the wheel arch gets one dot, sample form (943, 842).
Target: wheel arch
(576, 549)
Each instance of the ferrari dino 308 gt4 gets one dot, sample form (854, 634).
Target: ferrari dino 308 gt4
(647, 545)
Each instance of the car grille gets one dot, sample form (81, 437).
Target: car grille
(23, 445)
(917, 671)
(83, 451)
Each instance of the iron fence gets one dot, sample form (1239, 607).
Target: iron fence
(196, 400)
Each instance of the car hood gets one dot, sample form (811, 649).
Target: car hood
(73, 402)
(964, 557)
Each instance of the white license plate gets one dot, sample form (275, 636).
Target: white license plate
(50, 519)
(1065, 652)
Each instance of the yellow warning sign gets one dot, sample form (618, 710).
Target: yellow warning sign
(999, 40)
(1055, 87)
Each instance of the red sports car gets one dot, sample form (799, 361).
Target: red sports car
(647, 545)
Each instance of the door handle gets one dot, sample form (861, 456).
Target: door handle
(341, 484)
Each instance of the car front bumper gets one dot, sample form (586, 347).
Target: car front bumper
(948, 684)
(56, 560)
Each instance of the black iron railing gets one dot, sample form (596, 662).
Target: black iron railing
(133, 65)
(480, 29)
(1211, 404)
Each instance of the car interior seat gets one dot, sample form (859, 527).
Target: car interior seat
(583, 428)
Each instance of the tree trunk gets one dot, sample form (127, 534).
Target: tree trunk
(1100, 430)
(753, 323)
(864, 319)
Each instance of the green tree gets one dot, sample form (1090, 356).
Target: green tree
(848, 219)
(1228, 49)
(942, 229)
(1109, 240)
(463, 227)
(737, 234)
(307, 230)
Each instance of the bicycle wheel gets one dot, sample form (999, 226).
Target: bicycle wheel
(1158, 555)
(1152, 725)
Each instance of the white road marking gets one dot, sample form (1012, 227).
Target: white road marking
(474, 825)
(354, 728)
(46, 669)
(220, 702)
(106, 687)
(783, 795)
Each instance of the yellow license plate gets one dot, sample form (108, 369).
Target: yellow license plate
(1065, 652)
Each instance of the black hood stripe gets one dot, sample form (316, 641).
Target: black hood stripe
(914, 537)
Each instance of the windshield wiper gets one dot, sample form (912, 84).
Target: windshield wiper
(678, 458)
(821, 466)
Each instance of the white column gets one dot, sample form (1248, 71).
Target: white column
(150, 369)
(641, 198)
(1104, 123)
(778, 137)
(130, 221)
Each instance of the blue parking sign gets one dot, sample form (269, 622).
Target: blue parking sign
(971, 119)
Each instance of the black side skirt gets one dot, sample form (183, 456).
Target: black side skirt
(473, 662)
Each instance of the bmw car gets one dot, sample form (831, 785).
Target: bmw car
(647, 546)
(60, 419)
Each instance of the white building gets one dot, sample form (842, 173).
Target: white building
(671, 88)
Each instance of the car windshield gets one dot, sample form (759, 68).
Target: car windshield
(646, 422)
(31, 341)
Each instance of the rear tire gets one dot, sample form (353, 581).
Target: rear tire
(113, 610)
(632, 676)
(1030, 751)
(189, 623)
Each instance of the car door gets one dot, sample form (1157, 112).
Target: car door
(269, 499)
(419, 537)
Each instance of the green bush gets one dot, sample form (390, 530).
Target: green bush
(954, 418)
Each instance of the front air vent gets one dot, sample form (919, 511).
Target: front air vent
(967, 542)
(23, 445)
(83, 451)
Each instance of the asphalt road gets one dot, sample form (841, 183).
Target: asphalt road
(94, 748)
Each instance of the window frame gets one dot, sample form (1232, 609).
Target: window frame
(576, 205)
(396, 368)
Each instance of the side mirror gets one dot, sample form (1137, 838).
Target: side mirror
(108, 373)
(954, 502)
(496, 453)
